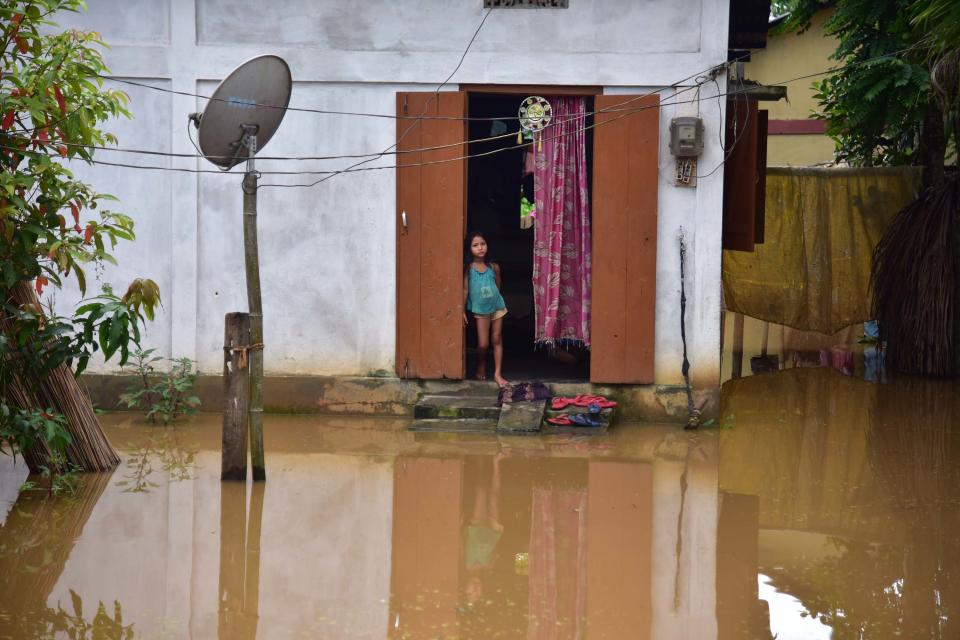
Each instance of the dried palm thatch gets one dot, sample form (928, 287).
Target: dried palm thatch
(913, 280)
(59, 390)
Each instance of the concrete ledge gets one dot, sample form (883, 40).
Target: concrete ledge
(357, 395)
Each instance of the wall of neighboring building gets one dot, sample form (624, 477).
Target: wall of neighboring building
(795, 139)
(328, 252)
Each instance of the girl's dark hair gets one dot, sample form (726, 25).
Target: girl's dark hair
(468, 255)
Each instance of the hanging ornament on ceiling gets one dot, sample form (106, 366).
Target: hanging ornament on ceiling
(535, 114)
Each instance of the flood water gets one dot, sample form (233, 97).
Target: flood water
(819, 506)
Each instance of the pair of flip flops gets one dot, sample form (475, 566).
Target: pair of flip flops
(582, 400)
(576, 419)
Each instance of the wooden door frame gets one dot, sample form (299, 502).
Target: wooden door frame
(533, 89)
(563, 90)
(520, 90)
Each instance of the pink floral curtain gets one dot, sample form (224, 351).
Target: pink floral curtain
(561, 239)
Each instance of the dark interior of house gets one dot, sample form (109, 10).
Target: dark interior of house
(495, 185)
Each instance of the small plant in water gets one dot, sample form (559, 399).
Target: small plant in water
(20, 429)
(63, 477)
(164, 395)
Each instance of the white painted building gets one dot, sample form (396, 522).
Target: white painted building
(328, 253)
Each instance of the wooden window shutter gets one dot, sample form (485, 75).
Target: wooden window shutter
(759, 225)
(740, 176)
(625, 172)
(431, 213)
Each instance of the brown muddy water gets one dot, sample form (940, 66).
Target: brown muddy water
(820, 506)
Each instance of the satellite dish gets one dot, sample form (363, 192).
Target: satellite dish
(252, 99)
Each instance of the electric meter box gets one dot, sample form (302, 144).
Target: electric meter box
(686, 136)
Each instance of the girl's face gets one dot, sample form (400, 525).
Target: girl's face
(478, 247)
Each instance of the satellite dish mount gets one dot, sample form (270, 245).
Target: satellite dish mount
(240, 118)
(249, 141)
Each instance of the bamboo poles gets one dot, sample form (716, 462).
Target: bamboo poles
(58, 390)
(252, 266)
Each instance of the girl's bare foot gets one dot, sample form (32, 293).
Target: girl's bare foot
(481, 373)
(501, 381)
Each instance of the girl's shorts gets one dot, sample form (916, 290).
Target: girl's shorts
(496, 315)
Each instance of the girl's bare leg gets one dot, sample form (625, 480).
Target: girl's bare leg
(483, 345)
(496, 336)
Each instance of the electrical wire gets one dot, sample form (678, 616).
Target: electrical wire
(353, 169)
(611, 109)
(700, 79)
(200, 155)
(625, 113)
(335, 112)
(736, 137)
(436, 94)
(350, 170)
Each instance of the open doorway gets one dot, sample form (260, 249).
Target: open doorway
(495, 185)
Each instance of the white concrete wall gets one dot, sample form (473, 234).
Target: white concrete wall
(328, 252)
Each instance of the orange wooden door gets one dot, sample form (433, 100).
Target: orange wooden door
(625, 150)
(431, 214)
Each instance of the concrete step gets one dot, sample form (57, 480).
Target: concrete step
(457, 407)
(460, 388)
(447, 425)
(521, 418)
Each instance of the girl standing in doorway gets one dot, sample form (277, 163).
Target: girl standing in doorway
(481, 297)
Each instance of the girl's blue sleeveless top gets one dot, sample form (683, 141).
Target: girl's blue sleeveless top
(484, 296)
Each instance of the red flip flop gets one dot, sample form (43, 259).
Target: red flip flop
(600, 401)
(561, 403)
(583, 400)
(561, 420)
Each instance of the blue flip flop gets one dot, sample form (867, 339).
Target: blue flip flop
(586, 420)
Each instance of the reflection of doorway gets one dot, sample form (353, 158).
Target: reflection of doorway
(531, 574)
(495, 184)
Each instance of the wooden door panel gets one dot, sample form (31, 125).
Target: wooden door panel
(431, 199)
(408, 244)
(625, 173)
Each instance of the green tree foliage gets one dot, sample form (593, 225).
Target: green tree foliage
(876, 102)
(53, 226)
(940, 20)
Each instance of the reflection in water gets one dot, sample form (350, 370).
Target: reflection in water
(366, 530)
(789, 619)
(165, 451)
(239, 559)
(521, 544)
(857, 485)
(35, 543)
(831, 507)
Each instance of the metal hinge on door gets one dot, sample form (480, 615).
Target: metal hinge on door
(406, 369)
(405, 105)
